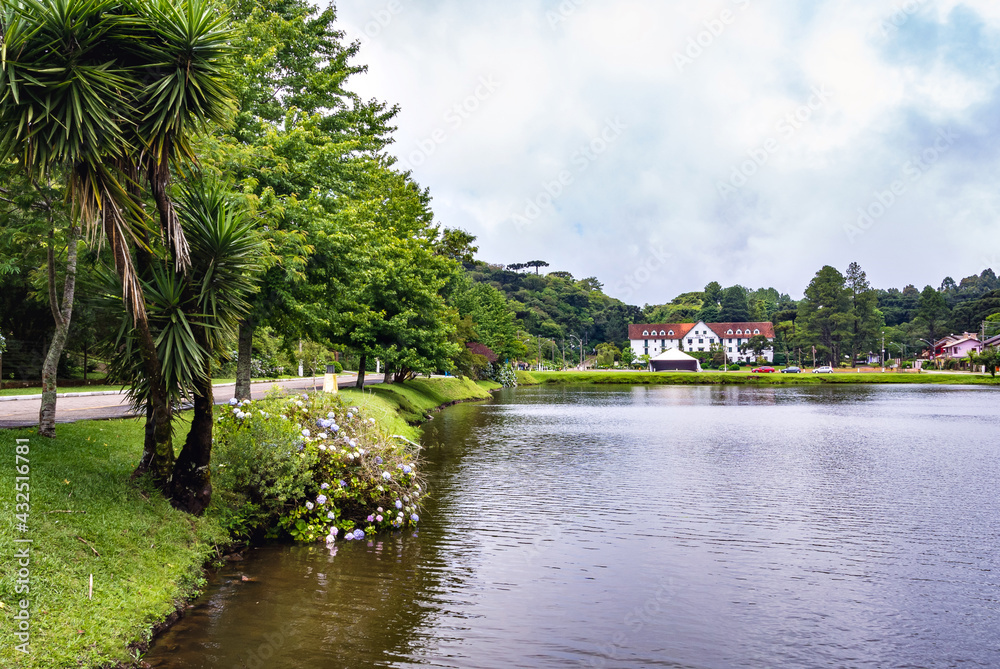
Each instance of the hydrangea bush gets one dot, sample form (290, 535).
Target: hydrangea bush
(504, 375)
(315, 469)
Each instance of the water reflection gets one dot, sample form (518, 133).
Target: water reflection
(654, 527)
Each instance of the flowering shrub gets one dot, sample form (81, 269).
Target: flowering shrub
(310, 466)
(504, 375)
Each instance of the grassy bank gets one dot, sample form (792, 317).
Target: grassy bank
(400, 407)
(748, 378)
(87, 518)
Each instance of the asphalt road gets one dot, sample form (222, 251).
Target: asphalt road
(23, 412)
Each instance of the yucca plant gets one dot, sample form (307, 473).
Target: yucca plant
(113, 91)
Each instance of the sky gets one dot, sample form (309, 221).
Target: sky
(659, 145)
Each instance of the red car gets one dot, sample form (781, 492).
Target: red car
(762, 370)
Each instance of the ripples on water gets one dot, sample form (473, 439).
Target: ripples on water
(654, 527)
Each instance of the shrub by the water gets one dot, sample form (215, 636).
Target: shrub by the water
(313, 468)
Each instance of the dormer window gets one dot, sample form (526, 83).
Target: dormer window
(671, 333)
(662, 333)
(756, 332)
(739, 332)
(730, 331)
(646, 333)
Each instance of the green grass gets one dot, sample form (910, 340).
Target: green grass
(400, 407)
(526, 379)
(149, 556)
(748, 378)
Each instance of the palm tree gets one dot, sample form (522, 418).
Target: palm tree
(194, 317)
(113, 91)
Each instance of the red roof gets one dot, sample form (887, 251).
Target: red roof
(722, 329)
(483, 350)
(680, 329)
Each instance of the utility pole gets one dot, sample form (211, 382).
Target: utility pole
(564, 353)
(883, 352)
(539, 353)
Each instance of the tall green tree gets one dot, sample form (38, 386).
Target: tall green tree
(932, 313)
(735, 308)
(299, 146)
(824, 315)
(866, 320)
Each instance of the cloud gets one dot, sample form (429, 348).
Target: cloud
(695, 90)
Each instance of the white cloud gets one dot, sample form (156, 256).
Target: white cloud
(745, 66)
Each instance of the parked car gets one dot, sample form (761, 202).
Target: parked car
(791, 370)
(825, 369)
(762, 370)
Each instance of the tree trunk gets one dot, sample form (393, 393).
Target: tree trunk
(191, 486)
(62, 315)
(244, 355)
(361, 371)
(387, 377)
(158, 447)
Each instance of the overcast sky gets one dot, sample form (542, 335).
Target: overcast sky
(662, 144)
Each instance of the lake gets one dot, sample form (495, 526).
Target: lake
(701, 527)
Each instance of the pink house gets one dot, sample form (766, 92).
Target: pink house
(956, 347)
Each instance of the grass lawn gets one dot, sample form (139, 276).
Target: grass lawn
(401, 406)
(85, 518)
(748, 378)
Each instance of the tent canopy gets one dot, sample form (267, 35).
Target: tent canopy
(674, 360)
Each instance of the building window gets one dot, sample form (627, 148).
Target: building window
(645, 343)
(730, 349)
(730, 331)
(690, 341)
(701, 341)
(701, 348)
(756, 332)
(671, 333)
(663, 343)
(646, 333)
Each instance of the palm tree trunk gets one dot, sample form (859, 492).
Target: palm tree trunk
(244, 355)
(191, 486)
(62, 315)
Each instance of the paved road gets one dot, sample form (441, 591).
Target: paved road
(23, 412)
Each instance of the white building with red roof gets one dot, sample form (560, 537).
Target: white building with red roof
(653, 339)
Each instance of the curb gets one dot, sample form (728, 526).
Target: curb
(97, 393)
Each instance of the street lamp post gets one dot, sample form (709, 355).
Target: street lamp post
(578, 341)
(930, 353)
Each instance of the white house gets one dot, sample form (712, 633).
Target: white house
(652, 339)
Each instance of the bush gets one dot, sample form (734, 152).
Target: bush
(311, 467)
(337, 367)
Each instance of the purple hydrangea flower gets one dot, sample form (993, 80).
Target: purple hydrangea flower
(309, 505)
(321, 499)
(378, 460)
(378, 519)
(399, 505)
(359, 535)
(415, 518)
(325, 486)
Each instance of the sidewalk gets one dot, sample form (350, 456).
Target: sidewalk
(22, 410)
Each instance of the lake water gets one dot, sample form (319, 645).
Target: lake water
(701, 527)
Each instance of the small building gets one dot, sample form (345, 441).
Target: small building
(956, 347)
(674, 360)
